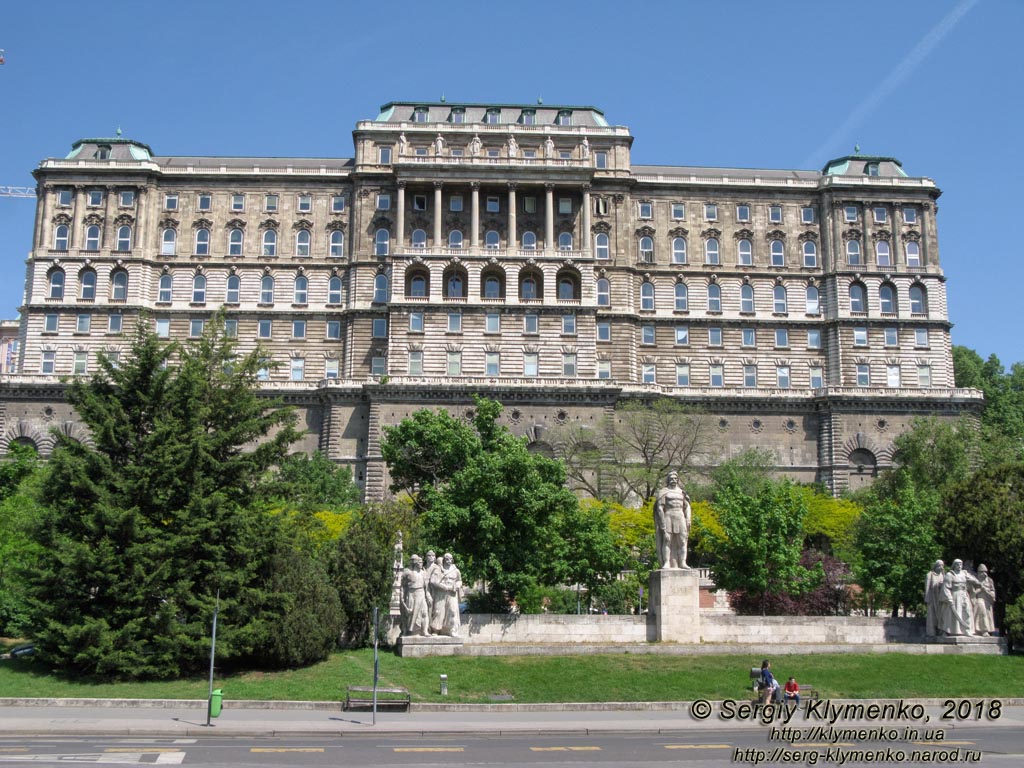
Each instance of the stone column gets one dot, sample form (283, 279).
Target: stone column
(142, 218)
(513, 236)
(437, 214)
(549, 217)
(927, 228)
(78, 210)
(109, 231)
(474, 216)
(43, 206)
(400, 218)
(674, 605)
(585, 237)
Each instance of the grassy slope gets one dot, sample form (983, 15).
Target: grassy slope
(568, 678)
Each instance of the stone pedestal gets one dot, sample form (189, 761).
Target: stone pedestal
(675, 605)
(431, 645)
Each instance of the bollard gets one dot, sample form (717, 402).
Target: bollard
(444, 685)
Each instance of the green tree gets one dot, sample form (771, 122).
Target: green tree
(312, 482)
(19, 478)
(584, 548)
(146, 521)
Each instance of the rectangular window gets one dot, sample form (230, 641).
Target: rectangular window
(195, 327)
(238, 202)
(714, 336)
(530, 204)
(604, 369)
(850, 213)
(682, 335)
(860, 337)
(749, 337)
(270, 203)
(47, 362)
(781, 337)
(775, 214)
(530, 324)
(601, 206)
(231, 327)
(863, 375)
(604, 331)
(742, 213)
(569, 325)
(493, 204)
(64, 197)
(710, 212)
(648, 373)
(419, 202)
(337, 203)
(601, 160)
(910, 215)
(782, 376)
(530, 364)
(813, 338)
(497, 153)
(807, 215)
(924, 376)
(298, 369)
(385, 155)
(892, 376)
(163, 327)
(416, 322)
(647, 335)
(416, 362)
(682, 375)
(678, 210)
(455, 152)
(454, 322)
(81, 363)
(646, 210)
(305, 203)
(331, 368)
(492, 323)
(84, 324)
(264, 329)
(892, 337)
(880, 215)
(569, 365)
(204, 202)
(455, 203)
(384, 202)
(378, 365)
(564, 155)
(115, 322)
(333, 329)
(716, 376)
(380, 327)
(95, 197)
(749, 375)
(921, 338)
(299, 329)
(565, 205)
(126, 198)
(492, 363)
(817, 380)
(50, 323)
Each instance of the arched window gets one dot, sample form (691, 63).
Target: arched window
(380, 289)
(882, 254)
(381, 242)
(565, 241)
(679, 250)
(87, 280)
(202, 242)
(528, 288)
(334, 290)
(887, 298)
(913, 252)
(714, 298)
(233, 288)
(491, 239)
(61, 237)
(568, 288)
(918, 303)
(166, 287)
(604, 298)
(419, 238)
(119, 285)
(853, 252)
(646, 249)
(812, 305)
(746, 298)
(711, 251)
(418, 285)
(168, 242)
(199, 289)
(455, 286)
(92, 238)
(124, 238)
(267, 290)
(455, 239)
(601, 250)
(810, 254)
(302, 241)
(858, 297)
(337, 243)
(778, 253)
(235, 237)
(744, 253)
(300, 291)
(492, 287)
(682, 298)
(781, 300)
(529, 241)
(646, 295)
(270, 243)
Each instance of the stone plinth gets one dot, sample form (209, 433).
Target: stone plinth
(432, 645)
(970, 644)
(675, 605)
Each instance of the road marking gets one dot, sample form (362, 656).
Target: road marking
(286, 749)
(13, 749)
(698, 746)
(565, 749)
(170, 758)
(428, 749)
(143, 750)
(100, 758)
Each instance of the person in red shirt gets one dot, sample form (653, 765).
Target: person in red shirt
(792, 691)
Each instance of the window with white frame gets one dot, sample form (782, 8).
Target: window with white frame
(601, 159)
(337, 203)
(380, 328)
(716, 375)
(913, 254)
(302, 242)
(710, 212)
(887, 299)
(924, 376)
(714, 298)
(565, 205)
(383, 201)
(748, 337)
(714, 336)
(646, 210)
(810, 254)
(850, 213)
(909, 215)
(92, 238)
(84, 324)
(492, 239)
(199, 289)
(679, 250)
(749, 375)
(378, 365)
(918, 304)
(61, 237)
(164, 288)
(569, 325)
(265, 328)
(782, 338)
(48, 361)
(381, 242)
(882, 254)
(298, 368)
(604, 369)
(115, 322)
(530, 364)
(231, 327)
(204, 202)
(124, 238)
(565, 241)
(334, 290)
(863, 375)
(416, 362)
(56, 280)
(64, 197)
(384, 155)
(778, 253)
(530, 324)
(95, 198)
(647, 296)
(682, 301)
(647, 335)
(860, 337)
(529, 241)
(747, 299)
(858, 298)
(892, 375)
(880, 215)
(455, 203)
(337, 244)
(202, 247)
(492, 322)
(87, 281)
(270, 243)
(646, 246)
(648, 373)
(300, 291)
(168, 242)
(682, 335)
(304, 203)
(682, 374)
(333, 329)
(604, 331)
(782, 376)
(601, 250)
(775, 214)
(163, 327)
(569, 364)
(416, 322)
(891, 337)
(603, 292)
(195, 327)
(816, 376)
(780, 298)
(711, 251)
(238, 202)
(492, 363)
(742, 213)
(270, 203)
(814, 338)
(744, 253)
(921, 338)
(331, 368)
(678, 211)
(267, 289)
(454, 322)
(81, 363)
(807, 215)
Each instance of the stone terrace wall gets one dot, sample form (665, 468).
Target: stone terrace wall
(553, 628)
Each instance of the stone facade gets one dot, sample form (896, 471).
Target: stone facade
(513, 251)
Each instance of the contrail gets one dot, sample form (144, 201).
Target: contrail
(891, 82)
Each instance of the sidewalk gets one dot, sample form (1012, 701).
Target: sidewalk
(124, 717)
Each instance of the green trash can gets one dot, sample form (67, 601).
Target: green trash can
(216, 702)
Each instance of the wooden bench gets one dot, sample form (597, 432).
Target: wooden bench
(361, 696)
(806, 691)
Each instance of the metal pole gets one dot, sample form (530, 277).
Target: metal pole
(376, 665)
(213, 646)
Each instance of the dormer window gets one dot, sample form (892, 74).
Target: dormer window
(564, 118)
(420, 114)
(457, 116)
(492, 116)
(528, 117)
(102, 152)
(870, 169)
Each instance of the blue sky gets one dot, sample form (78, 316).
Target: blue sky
(936, 83)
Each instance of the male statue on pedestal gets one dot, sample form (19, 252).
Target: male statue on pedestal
(933, 585)
(983, 597)
(672, 517)
(414, 598)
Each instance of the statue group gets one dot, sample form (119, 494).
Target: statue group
(958, 602)
(672, 518)
(430, 596)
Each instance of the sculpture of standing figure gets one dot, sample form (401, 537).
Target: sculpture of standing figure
(983, 597)
(430, 567)
(549, 147)
(513, 146)
(957, 619)
(672, 517)
(439, 145)
(403, 143)
(474, 145)
(585, 148)
(414, 598)
(933, 585)
(447, 586)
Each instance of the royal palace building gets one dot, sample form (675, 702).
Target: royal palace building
(513, 251)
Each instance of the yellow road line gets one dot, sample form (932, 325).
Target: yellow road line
(698, 746)
(286, 749)
(13, 749)
(429, 749)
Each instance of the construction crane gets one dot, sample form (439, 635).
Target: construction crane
(17, 191)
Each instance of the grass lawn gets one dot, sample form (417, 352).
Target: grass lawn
(622, 677)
